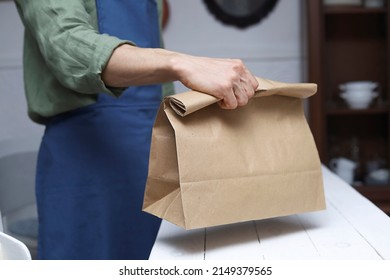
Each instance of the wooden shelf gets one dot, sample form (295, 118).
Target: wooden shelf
(384, 206)
(375, 193)
(350, 43)
(379, 195)
(333, 110)
(350, 9)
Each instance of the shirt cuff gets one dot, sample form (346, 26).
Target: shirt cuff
(105, 48)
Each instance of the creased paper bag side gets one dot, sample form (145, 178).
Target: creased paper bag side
(255, 162)
(162, 194)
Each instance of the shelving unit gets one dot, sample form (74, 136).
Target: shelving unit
(351, 43)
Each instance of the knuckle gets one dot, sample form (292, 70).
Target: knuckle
(250, 94)
(237, 65)
(238, 62)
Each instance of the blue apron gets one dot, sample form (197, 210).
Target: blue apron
(93, 161)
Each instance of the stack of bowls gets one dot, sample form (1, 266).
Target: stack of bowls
(359, 94)
(378, 177)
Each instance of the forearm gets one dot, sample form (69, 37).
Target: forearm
(130, 66)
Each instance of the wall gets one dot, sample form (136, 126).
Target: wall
(14, 124)
(272, 49)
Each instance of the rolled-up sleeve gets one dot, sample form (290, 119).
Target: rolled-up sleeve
(71, 46)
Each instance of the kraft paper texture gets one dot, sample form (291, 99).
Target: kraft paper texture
(209, 166)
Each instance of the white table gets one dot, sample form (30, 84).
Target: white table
(350, 228)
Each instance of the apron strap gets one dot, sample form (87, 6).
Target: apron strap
(136, 21)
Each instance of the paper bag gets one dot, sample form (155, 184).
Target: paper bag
(209, 166)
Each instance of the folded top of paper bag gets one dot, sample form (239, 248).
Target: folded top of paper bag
(188, 102)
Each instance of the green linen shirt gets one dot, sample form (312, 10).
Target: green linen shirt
(64, 55)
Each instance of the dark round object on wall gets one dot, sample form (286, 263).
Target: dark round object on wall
(240, 13)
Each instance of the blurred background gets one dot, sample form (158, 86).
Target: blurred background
(342, 45)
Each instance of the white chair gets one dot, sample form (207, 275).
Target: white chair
(17, 192)
(11, 248)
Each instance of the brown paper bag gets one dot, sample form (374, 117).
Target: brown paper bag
(210, 166)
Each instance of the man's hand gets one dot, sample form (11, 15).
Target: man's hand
(226, 79)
